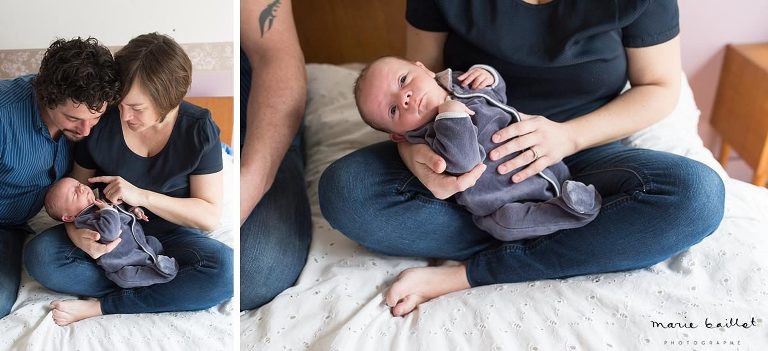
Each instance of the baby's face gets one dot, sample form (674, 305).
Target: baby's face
(72, 196)
(400, 96)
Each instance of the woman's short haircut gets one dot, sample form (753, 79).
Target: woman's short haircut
(81, 70)
(160, 66)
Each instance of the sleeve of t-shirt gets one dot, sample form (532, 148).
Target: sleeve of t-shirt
(656, 24)
(83, 156)
(210, 159)
(425, 15)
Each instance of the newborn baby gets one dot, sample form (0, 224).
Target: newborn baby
(136, 260)
(456, 114)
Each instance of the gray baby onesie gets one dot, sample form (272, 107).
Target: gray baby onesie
(136, 261)
(539, 205)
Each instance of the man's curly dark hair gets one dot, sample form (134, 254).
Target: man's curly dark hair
(79, 69)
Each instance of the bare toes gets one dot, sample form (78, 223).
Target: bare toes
(407, 305)
(395, 292)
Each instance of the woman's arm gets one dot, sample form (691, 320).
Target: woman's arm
(425, 164)
(277, 97)
(654, 73)
(426, 47)
(202, 209)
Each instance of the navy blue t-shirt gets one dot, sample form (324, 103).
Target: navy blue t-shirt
(193, 149)
(561, 59)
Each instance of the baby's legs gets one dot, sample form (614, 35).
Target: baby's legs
(578, 205)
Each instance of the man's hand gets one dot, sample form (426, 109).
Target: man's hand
(253, 186)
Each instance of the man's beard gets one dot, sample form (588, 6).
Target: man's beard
(72, 136)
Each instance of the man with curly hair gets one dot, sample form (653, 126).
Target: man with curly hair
(40, 117)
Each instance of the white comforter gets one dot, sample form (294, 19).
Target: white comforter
(30, 325)
(337, 304)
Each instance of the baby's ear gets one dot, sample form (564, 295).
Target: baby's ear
(67, 218)
(398, 138)
(421, 65)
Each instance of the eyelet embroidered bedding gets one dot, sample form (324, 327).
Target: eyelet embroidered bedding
(31, 327)
(712, 293)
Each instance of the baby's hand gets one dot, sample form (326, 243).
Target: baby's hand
(101, 204)
(453, 106)
(477, 77)
(139, 213)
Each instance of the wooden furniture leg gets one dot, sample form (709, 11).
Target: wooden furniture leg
(761, 175)
(725, 152)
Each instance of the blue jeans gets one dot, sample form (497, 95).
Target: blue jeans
(274, 240)
(11, 243)
(655, 205)
(204, 279)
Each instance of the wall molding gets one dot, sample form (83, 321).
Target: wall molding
(205, 57)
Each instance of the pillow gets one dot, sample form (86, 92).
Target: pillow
(678, 132)
(333, 127)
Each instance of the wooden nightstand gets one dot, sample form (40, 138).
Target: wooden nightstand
(740, 113)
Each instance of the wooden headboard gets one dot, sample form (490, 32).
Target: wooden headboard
(222, 110)
(342, 31)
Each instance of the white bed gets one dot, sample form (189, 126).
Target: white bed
(337, 303)
(31, 327)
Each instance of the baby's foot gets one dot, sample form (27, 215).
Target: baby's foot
(582, 198)
(70, 311)
(415, 286)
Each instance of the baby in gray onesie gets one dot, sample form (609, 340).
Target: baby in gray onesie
(415, 105)
(136, 261)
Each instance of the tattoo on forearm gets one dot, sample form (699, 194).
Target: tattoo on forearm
(268, 16)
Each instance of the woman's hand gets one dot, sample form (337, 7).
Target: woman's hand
(428, 166)
(88, 241)
(119, 190)
(544, 142)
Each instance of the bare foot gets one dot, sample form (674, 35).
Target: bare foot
(415, 286)
(70, 311)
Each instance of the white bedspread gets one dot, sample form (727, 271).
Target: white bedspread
(31, 327)
(337, 304)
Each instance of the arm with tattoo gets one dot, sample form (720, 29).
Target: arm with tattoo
(276, 102)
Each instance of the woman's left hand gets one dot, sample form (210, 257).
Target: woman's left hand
(119, 190)
(543, 142)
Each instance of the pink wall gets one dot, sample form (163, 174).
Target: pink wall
(706, 26)
(212, 83)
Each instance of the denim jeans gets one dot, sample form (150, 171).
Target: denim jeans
(275, 238)
(11, 243)
(655, 205)
(204, 279)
